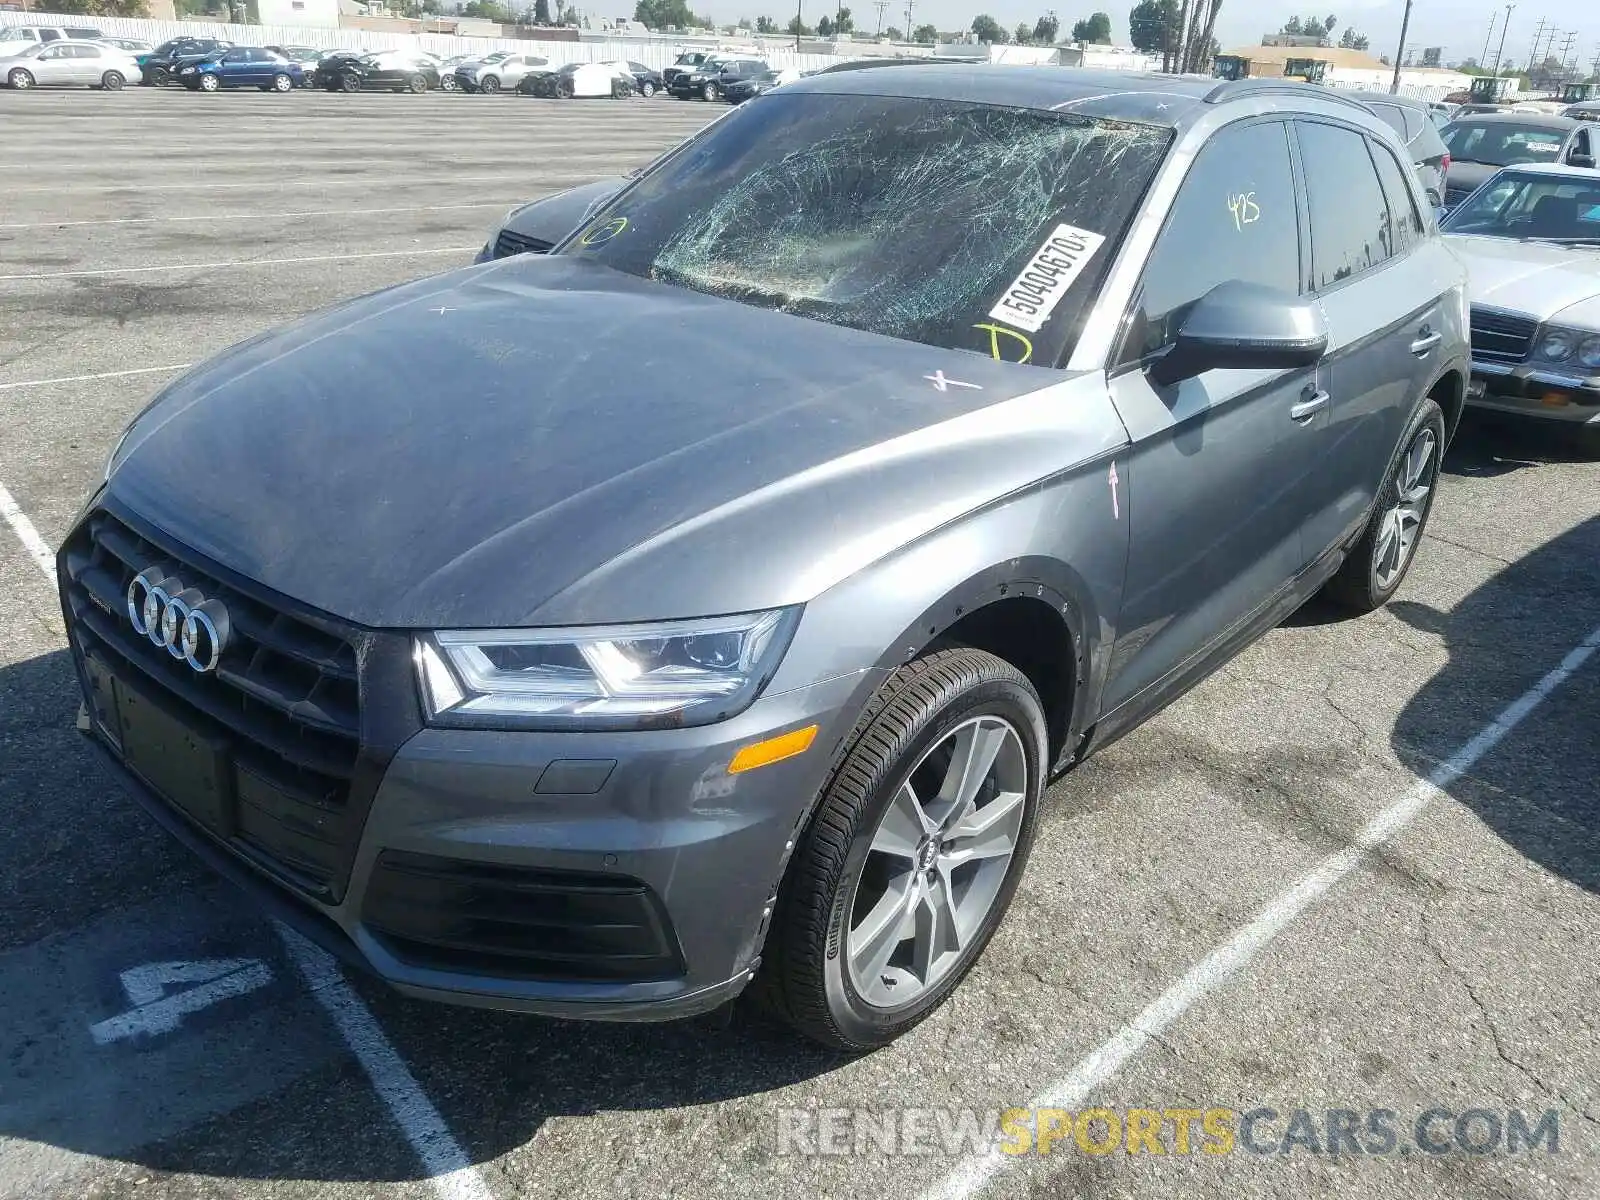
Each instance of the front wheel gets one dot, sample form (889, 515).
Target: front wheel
(112, 81)
(350, 83)
(710, 91)
(647, 89)
(417, 84)
(209, 83)
(282, 83)
(913, 854)
(565, 89)
(159, 77)
(20, 79)
(1375, 567)
(447, 83)
(489, 85)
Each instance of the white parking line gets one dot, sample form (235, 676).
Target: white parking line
(270, 216)
(242, 262)
(450, 1172)
(1238, 952)
(257, 185)
(22, 383)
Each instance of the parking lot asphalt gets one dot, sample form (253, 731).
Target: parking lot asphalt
(159, 1039)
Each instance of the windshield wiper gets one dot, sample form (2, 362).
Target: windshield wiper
(1564, 241)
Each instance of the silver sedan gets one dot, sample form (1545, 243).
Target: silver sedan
(68, 63)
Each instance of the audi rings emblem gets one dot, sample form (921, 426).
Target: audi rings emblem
(178, 619)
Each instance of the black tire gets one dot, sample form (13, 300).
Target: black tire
(489, 84)
(564, 89)
(802, 979)
(349, 82)
(417, 84)
(282, 84)
(711, 91)
(112, 81)
(647, 89)
(20, 80)
(209, 83)
(159, 76)
(1356, 586)
(447, 83)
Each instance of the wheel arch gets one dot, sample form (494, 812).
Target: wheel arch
(1449, 392)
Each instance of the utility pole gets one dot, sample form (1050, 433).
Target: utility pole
(1566, 52)
(910, 4)
(1400, 55)
(1487, 38)
(881, 6)
(1499, 53)
(799, 21)
(1533, 55)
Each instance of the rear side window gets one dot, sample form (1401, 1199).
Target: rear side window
(1349, 215)
(1234, 218)
(1394, 116)
(1405, 220)
(49, 35)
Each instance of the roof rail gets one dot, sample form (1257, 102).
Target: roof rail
(1240, 89)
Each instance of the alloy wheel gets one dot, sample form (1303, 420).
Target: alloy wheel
(20, 80)
(647, 89)
(282, 83)
(209, 83)
(1397, 533)
(112, 81)
(937, 861)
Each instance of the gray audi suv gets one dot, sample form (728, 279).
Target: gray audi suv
(704, 605)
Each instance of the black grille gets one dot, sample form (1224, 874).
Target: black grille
(509, 243)
(282, 707)
(518, 923)
(1501, 337)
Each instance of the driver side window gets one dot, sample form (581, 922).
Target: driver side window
(1235, 218)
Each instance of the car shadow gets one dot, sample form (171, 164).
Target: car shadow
(78, 852)
(1536, 788)
(1487, 445)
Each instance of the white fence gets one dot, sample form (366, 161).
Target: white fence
(652, 53)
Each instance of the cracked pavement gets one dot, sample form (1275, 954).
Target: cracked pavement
(1452, 969)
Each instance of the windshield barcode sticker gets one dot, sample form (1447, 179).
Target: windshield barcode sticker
(1034, 294)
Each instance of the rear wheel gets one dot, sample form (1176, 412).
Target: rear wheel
(417, 84)
(112, 81)
(20, 79)
(350, 82)
(564, 89)
(647, 89)
(209, 83)
(159, 76)
(489, 84)
(282, 83)
(911, 859)
(1379, 561)
(710, 91)
(447, 83)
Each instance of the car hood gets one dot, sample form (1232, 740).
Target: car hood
(542, 440)
(1545, 281)
(550, 219)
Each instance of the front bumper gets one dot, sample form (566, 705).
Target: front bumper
(610, 876)
(1529, 391)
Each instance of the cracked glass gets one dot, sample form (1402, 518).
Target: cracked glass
(919, 219)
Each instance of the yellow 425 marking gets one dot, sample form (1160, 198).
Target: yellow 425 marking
(995, 331)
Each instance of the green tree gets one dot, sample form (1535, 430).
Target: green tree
(894, 34)
(541, 12)
(986, 29)
(744, 24)
(1153, 26)
(825, 26)
(1351, 40)
(1024, 34)
(766, 25)
(925, 34)
(843, 22)
(1292, 27)
(797, 28)
(488, 10)
(1045, 29)
(658, 14)
(1095, 28)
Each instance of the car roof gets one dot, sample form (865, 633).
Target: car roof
(1559, 169)
(1535, 119)
(1165, 100)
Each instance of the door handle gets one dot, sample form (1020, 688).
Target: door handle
(1426, 342)
(1310, 406)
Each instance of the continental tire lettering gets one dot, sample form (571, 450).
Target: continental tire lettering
(1047, 277)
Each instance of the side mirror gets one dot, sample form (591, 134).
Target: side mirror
(1244, 326)
(1580, 160)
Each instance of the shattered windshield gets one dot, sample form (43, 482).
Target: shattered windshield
(960, 225)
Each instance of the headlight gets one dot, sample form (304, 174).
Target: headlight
(1589, 353)
(662, 675)
(1556, 346)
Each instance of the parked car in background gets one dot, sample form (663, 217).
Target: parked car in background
(579, 80)
(1530, 237)
(131, 45)
(737, 91)
(307, 56)
(241, 67)
(447, 72)
(40, 34)
(65, 63)
(1588, 110)
(1413, 120)
(1481, 144)
(554, 680)
(384, 71)
(647, 81)
(159, 67)
(707, 81)
(536, 227)
(685, 64)
(498, 71)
